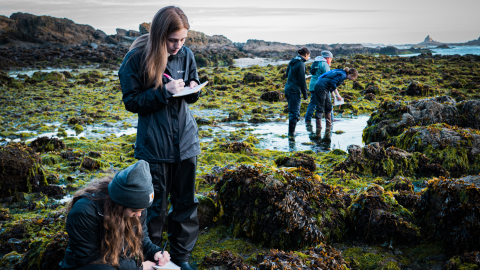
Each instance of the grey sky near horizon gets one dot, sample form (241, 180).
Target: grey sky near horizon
(294, 22)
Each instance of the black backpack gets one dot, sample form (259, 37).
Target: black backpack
(314, 67)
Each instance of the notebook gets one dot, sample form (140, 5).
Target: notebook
(187, 90)
(169, 266)
(338, 102)
(306, 77)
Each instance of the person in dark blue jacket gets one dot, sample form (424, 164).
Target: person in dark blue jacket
(326, 84)
(295, 87)
(156, 68)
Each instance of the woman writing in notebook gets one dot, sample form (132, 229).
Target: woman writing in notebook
(106, 224)
(157, 67)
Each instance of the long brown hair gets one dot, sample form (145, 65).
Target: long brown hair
(122, 235)
(351, 71)
(154, 45)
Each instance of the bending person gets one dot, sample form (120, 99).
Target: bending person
(295, 87)
(106, 224)
(167, 134)
(326, 84)
(320, 66)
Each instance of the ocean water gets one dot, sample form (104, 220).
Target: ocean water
(460, 50)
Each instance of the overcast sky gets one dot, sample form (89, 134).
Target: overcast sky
(294, 22)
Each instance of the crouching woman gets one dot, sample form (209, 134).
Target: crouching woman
(106, 224)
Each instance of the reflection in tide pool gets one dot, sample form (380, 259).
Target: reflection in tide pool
(273, 135)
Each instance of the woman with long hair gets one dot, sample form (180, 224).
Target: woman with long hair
(156, 68)
(295, 87)
(326, 84)
(106, 224)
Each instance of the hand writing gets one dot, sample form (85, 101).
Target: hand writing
(175, 86)
(193, 84)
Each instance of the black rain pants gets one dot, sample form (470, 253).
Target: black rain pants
(178, 180)
(324, 102)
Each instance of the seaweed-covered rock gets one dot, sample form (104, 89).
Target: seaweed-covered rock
(319, 257)
(449, 211)
(272, 96)
(91, 163)
(375, 160)
(45, 144)
(457, 149)
(417, 89)
(48, 76)
(20, 170)
(237, 147)
(226, 260)
(207, 211)
(469, 260)
(357, 86)
(376, 217)
(297, 160)
(280, 209)
(45, 254)
(469, 114)
(393, 117)
(252, 77)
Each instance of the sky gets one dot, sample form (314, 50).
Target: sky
(294, 22)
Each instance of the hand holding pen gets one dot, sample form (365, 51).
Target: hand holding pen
(174, 86)
(162, 257)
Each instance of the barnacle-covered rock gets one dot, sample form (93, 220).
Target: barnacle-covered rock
(225, 259)
(45, 144)
(376, 217)
(393, 117)
(320, 257)
(449, 211)
(20, 170)
(297, 160)
(375, 160)
(280, 209)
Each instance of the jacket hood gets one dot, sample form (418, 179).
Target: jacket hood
(296, 59)
(320, 59)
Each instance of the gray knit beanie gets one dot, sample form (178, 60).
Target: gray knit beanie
(133, 187)
(327, 54)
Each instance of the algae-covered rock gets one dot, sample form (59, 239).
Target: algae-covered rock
(449, 211)
(357, 86)
(91, 163)
(252, 77)
(467, 261)
(319, 257)
(456, 149)
(237, 147)
(469, 114)
(297, 160)
(48, 76)
(417, 89)
(223, 260)
(207, 211)
(272, 96)
(45, 144)
(376, 217)
(20, 170)
(279, 209)
(375, 160)
(45, 253)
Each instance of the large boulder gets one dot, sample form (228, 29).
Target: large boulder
(20, 170)
(275, 208)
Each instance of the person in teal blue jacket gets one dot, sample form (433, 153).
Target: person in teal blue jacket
(320, 66)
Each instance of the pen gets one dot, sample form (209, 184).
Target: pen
(165, 245)
(168, 76)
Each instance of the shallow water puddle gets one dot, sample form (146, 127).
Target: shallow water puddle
(274, 135)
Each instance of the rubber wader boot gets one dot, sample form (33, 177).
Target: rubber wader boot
(308, 123)
(318, 121)
(328, 117)
(291, 128)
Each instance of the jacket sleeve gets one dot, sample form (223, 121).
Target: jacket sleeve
(125, 264)
(84, 229)
(192, 98)
(334, 82)
(301, 80)
(287, 71)
(136, 99)
(149, 248)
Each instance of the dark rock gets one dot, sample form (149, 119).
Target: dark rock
(90, 163)
(20, 170)
(252, 77)
(206, 211)
(297, 160)
(224, 260)
(273, 96)
(45, 144)
(417, 89)
(370, 97)
(357, 86)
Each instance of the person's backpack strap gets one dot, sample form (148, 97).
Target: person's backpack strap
(314, 68)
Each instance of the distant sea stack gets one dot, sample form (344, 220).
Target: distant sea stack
(430, 42)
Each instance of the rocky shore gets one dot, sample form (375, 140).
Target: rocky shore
(406, 199)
